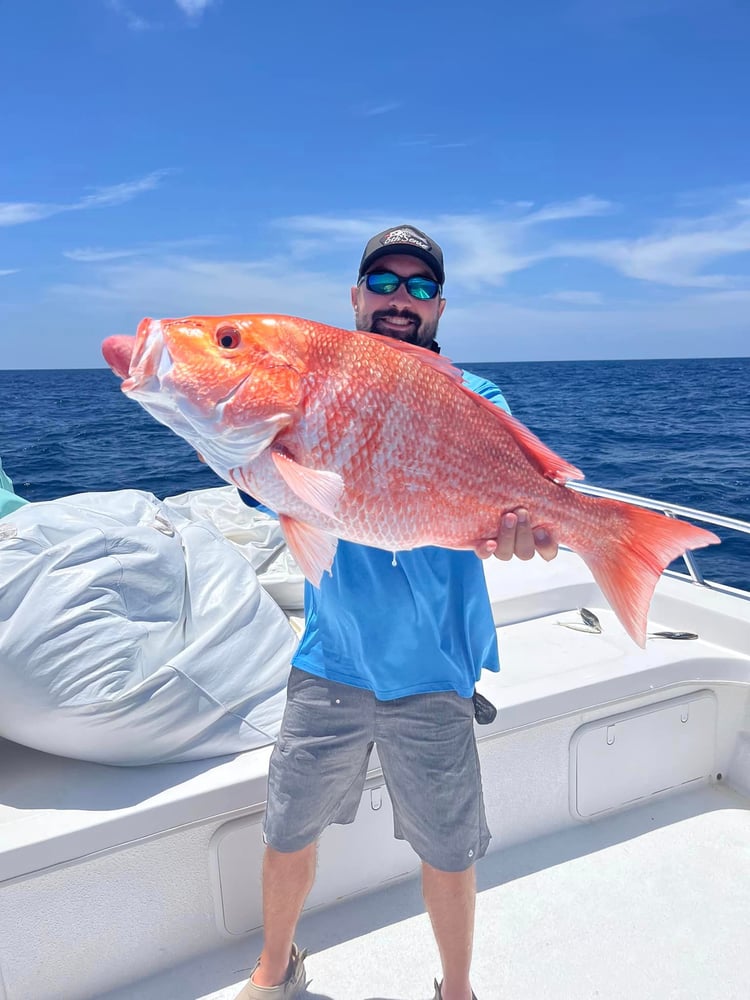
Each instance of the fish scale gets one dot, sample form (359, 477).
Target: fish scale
(353, 435)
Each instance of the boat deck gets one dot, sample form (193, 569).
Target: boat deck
(614, 874)
(647, 904)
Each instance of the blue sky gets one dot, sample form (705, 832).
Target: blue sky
(585, 165)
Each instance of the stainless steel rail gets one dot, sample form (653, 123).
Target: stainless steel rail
(671, 510)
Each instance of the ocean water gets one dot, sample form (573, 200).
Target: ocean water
(677, 430)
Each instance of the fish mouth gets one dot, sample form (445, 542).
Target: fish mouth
(140, 359)
(118, 351)
(150, 358)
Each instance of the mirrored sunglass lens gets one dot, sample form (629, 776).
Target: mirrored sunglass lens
(383, 283)
(422, 288)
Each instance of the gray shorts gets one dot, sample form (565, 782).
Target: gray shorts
(430, 764)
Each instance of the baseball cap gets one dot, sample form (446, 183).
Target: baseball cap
(404, 239)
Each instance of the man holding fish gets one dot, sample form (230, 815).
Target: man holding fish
(390, 471)
(373, 667)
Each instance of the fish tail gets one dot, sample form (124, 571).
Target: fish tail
(631, 555)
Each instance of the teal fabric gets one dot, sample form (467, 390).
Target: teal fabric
(422, 625)
(9, 501)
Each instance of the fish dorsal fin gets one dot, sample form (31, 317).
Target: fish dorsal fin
(437, 361)
(318, 488)
(549, 464)
(312, 548)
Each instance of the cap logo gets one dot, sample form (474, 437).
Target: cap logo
(405, 236)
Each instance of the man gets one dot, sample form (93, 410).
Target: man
(407, 687)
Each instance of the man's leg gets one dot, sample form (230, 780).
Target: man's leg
(431, 767)
(450, 898)
(315, 776)
(287, 880)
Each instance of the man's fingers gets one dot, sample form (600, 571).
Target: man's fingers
(506, 539)
(524, 546)
(486, 549)
(516, 537)
(546, 546)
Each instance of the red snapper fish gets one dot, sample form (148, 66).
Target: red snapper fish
(357, 436)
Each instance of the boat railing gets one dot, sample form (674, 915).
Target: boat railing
(671, 510)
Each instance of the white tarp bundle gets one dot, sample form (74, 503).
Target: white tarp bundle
(131, 633)
(257, 535)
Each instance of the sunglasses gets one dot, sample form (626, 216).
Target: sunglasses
(386, 283)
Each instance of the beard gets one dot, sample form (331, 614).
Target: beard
(417, 331)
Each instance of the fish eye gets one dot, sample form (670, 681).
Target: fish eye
(228, 337)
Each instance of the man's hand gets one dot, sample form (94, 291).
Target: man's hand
(517, 538)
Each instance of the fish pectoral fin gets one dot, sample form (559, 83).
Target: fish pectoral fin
(313, 548)
(321, 490)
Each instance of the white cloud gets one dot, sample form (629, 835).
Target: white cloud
(484, 249)
(134, 21)
(419, 140)
(180, 285)
(118, 194)
(320, 235)
(99, 255)
(579, 208)
(381, 109)
(96, 255)
(678, 253)
(340, 229)
(194, 8)
(430, 140)
(17, 213)
(8, 270)
(576, 298)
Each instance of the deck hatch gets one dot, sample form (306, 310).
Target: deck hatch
(620, 759)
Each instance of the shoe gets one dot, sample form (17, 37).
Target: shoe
(295, 983)
(439, 995)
